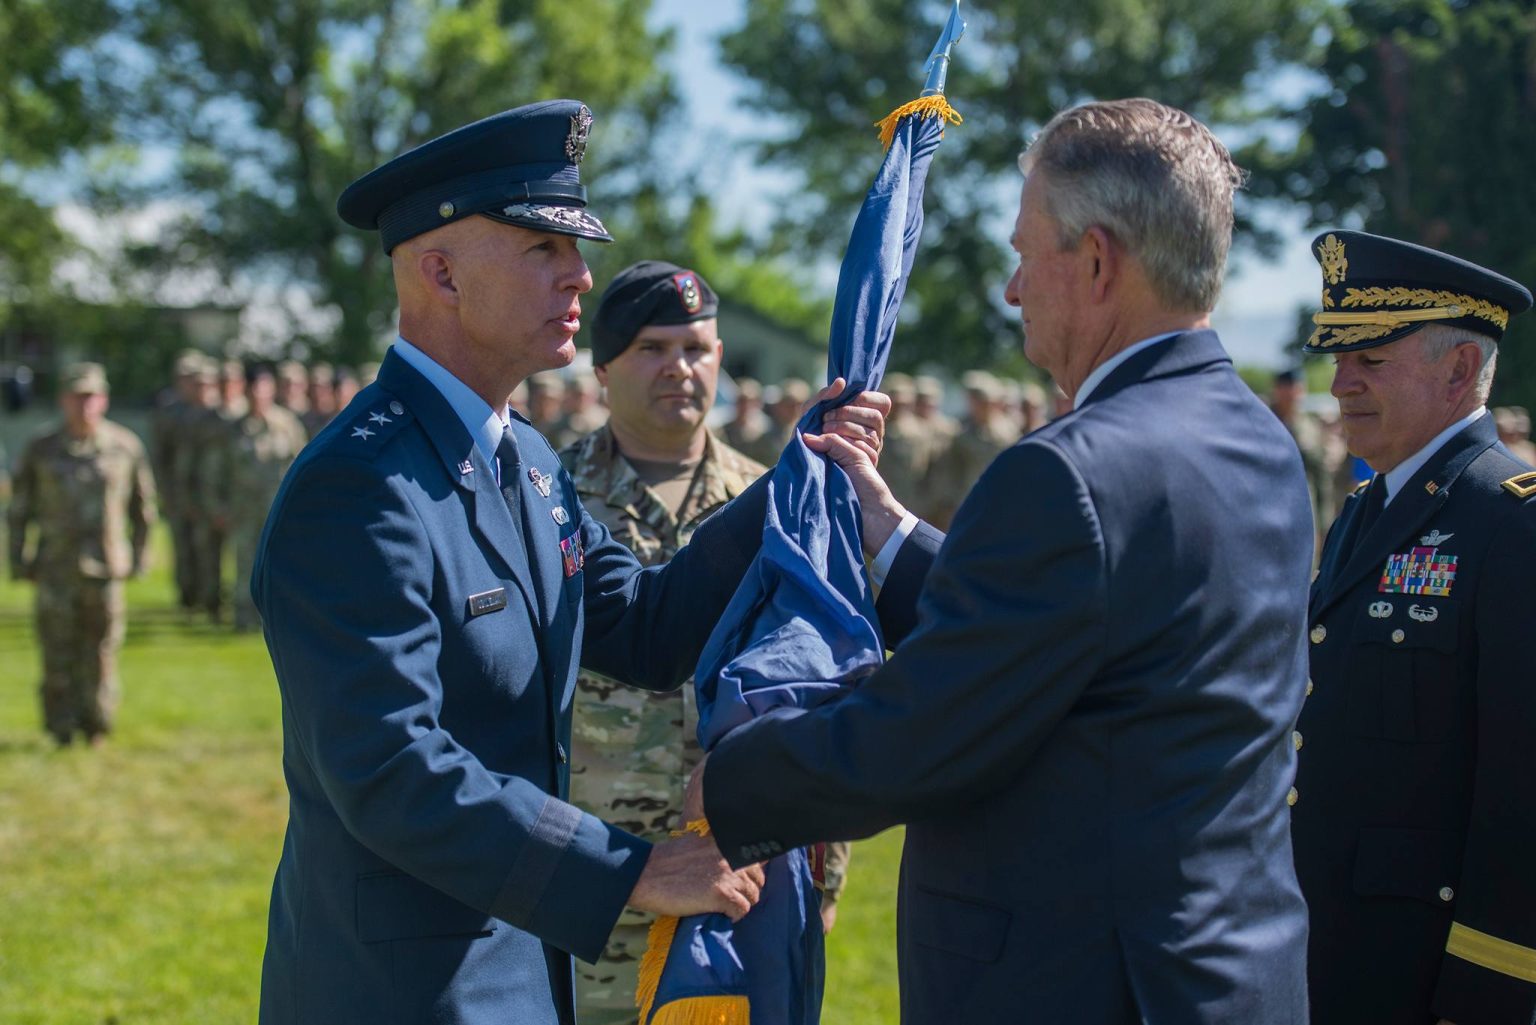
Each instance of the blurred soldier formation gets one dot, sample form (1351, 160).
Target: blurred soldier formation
(87, 490)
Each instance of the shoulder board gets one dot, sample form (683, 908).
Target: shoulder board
(368, 430)
(1521, 485)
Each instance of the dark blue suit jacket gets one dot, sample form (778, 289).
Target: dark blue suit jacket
(1415, 825)
(1089, 732)
(426, 648)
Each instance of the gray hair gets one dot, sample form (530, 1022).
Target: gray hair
(1440, 339)
(1154, 178)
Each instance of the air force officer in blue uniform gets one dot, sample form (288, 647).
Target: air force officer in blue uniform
(1089, 732)
(427, 581)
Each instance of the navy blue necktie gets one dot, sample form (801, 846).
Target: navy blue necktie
(511, 466)
(1375, 501)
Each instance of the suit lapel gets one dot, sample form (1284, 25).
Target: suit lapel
(488, 513)
(1421, 498)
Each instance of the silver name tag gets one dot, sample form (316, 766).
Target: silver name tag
(487, 601)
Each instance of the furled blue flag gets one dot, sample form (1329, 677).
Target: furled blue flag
(802, 626)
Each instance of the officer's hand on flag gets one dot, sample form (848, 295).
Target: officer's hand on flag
(687, 876)
(861, 421)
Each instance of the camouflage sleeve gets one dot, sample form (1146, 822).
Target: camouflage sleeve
(23, 500)
(835, 870)
(215, 469)
(141, 509)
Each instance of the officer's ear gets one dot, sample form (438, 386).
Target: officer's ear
(1466, 361)
(434, 268)
(600, 371)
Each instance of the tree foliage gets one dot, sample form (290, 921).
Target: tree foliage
(55, 101)
(831, 67)
(1423, 133)
(275, 105)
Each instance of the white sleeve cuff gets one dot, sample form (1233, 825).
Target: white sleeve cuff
(882, 564)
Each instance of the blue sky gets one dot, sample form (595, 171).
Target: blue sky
(1257, 311)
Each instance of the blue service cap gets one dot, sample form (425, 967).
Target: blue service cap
(518, 167)
(1377, 290)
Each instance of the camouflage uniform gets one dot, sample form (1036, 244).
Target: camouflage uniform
(243, 470)
(633, 750)
(1316, 459)
(207, 438)
(168, 432)
(93, 502)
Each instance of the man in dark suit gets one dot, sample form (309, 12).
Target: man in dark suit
(1415, 817)
(1089, 732)
(427, 580)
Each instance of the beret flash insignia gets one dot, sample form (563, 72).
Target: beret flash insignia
(688, 291)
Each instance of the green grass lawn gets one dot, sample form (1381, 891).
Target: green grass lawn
(134, 878)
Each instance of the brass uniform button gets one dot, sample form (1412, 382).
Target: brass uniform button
(1296, 739)
(1318, 633)
(1446, 893)
(1292, 797)
(1309, 688)
(1397, 636)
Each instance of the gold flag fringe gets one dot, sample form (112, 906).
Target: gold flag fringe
(657, 942)
(710, 1010)
(925, 106)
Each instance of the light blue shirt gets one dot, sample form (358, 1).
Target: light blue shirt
(1104, 369)
(483, 423)
(1400, 474)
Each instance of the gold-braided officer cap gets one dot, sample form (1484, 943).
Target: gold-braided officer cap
(1377, 290)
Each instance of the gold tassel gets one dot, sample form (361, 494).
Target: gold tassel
(704, 1011)
(712, 1010)
(925, 106)
(657, 942)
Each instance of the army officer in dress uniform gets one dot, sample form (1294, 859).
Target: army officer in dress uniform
(427, 581)
(1414, 810)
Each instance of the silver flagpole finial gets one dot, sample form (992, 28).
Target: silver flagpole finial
(937, 66)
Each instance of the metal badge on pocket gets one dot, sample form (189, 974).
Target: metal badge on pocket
(487, 601)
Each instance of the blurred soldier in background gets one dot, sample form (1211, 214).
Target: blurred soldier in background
(293, 388)
(189, 509)
(652, 474)
(168, 434)
(348, 385)
(987, 430)
(210, 528)
(750, 432)
(87, 489)
(1031, 406)
(546, 395)
(1514, 425)
(784, 406)
(583, 412)
(322, 398)
(1286, 392)
(904, 460)
(245, 467)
